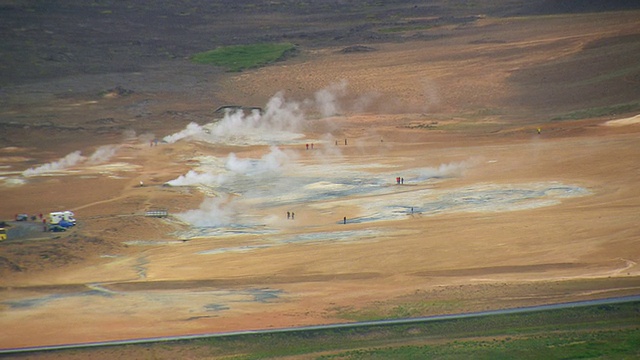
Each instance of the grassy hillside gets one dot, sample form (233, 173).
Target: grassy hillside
(239, 57)
(602, 331)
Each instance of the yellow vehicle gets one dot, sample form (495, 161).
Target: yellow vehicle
(3, 234)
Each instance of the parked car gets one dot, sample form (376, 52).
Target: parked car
(57, 228)
(65, 224)
(22, 217)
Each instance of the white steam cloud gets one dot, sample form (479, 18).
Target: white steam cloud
(452, 169)
(102, 154)
(68, 161)
(271, 161)
(269, 164)
(195, 178)
(192, 129)
(281, 121)
(327, 99)
(218, 211)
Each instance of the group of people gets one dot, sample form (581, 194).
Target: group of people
(291, 215)
(399, 180)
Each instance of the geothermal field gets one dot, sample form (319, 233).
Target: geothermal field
(479, 164)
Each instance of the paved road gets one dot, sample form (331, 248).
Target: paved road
(27, 230)
(614, 300)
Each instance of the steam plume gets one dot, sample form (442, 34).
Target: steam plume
(70, 160)
(103, 154)
(446, 170)
(218, 211)
(192, 129)
(282, 120)
(194, 178)
(270, 163)
(327, 98)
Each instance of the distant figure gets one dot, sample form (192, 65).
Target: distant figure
(311, 146)
(398, 180)
(307, 146)
(412, 210)
(141, 184)
(402, 181)
(345, 141)
(539, 131)
(288, 215)
(336, 142)
(345, 220)
(293, 215)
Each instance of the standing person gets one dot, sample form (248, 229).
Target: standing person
(345, 220)
(288, 215)
(307, 146)
(402, 181)
(293, 215)
(345, 141)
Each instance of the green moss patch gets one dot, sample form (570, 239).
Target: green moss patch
(240, 57)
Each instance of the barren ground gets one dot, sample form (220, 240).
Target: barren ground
(491, 214)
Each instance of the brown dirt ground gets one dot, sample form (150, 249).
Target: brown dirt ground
(582, 248)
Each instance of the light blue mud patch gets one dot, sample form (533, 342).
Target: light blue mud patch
(331, 236)
(223, 231)
(477, 198)
(317, 237)
(34, 302)
(234, 249)
(493, 198)
(197, 301)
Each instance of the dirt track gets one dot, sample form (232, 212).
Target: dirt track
(502, 216)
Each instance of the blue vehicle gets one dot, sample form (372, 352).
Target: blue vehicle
(65, 224)
(57, 228)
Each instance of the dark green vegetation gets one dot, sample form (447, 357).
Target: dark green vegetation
(53, 42)
(239, 57)
(610, 331)
(53, 39)
(600, 111)
(615, 344)
(590, 332)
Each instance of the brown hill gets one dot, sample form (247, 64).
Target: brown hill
(502, 205)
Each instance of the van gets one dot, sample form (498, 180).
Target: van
(58, 216)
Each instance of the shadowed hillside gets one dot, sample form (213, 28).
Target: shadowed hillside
(58, 38)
